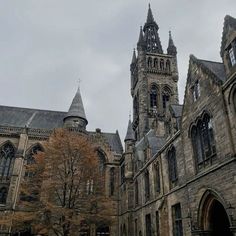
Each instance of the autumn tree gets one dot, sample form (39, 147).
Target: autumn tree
(63, 189)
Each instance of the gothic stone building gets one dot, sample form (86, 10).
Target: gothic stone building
(22, 132)
(178, 170)
(177, 174)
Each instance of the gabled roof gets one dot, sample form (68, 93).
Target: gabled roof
(229, 24)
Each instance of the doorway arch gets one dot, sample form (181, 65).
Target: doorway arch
(213, 218)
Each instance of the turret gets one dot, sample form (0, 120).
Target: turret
(171, 50)
(75, 116)
(141, 45)
(129, 147)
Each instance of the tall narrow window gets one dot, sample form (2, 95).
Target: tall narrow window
(101, 160)
(3, 195)
(157, 223)
(149, 62)
(148, 225)
(155, 63)
(161, 64)
(122, 173)
(157, 178)
(112, 181)
(136, 106)
(177, 220)
(232, 56)
(168, 65)
(196, 91)
(136, 227)
(147, 185)
(136, 193)
(7, 158)
(172, 164)
(153, 97)
(165, 97)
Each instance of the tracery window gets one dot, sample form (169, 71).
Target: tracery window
(3, 195)
(147, 185)
(7, 159)
(112, 181)
(177, 220)
(203, 139)
(172, 165)
(30, 159)
(153, 97)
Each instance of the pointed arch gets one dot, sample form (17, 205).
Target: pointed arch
(166, 95)
(162, 64)
(168, 65)
(102, 158)
(210, 203)
(232, 98)
(153, 96)
(149, 62)
(155, 63)
(7, 159)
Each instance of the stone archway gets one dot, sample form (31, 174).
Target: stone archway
(214, 220)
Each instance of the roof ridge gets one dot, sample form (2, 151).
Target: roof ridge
(32, 109)
(218, 62)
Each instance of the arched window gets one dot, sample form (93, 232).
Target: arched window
(7, 158)
(203, 139)
(112, 181)
(3, 195)
(101, 160)
(30, 159)
(147, 185)
(136, 193)
(153, 97)
(165, 97)
(149, 62)
(155, 63)
(172, 165)
(161, 64)
(168, 65)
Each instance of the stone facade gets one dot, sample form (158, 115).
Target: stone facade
(177, 174)
(180, 170)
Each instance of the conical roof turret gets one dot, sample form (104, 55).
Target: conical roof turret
(171, 50)
(76, 109)
(141, 42)
(130, 132)
(150, 18)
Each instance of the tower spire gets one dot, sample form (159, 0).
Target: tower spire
(75, 116)
(141, 43)
(171, 50)
(134, 58)
(151, 36)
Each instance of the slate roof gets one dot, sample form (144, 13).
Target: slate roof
(215, 67)
(44, 119)
(176, 110)
(33, 118)
(77, 108)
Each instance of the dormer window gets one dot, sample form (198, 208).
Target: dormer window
(232, 56)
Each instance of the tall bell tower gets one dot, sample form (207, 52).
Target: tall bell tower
(154, 77)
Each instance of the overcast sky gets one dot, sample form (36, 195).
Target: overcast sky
(46, 46)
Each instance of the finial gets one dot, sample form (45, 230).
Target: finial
(149, 5)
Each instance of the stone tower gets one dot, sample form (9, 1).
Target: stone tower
(154, 77)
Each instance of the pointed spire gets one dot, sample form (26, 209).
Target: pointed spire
(134, 58)
(141, 43)
(171, 50)
(150, 18)
(130, 132)
(77, 108)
